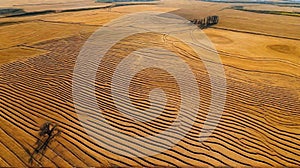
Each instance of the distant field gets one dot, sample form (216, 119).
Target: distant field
(13, 3)
(44, 7)
(58, 7)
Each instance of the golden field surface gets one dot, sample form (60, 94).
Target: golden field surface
(260, 124)
(38, 5)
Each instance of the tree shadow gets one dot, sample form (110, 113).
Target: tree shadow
(48, 131)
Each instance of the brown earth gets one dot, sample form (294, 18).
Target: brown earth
(259, 126)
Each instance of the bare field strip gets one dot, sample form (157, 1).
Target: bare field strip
(259, 127)
(18, 53)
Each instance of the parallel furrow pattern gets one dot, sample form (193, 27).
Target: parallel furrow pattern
(259, 127)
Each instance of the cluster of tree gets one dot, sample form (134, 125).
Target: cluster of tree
(206, 22)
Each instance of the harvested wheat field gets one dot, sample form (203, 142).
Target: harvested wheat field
(46, 119)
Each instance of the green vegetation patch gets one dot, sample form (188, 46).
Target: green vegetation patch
(241, 8)
(10, 11)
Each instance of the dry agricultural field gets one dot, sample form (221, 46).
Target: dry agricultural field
(260, 125)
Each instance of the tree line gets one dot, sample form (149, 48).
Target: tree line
(206, 22)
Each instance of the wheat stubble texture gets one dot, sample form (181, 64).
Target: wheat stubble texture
(259, 126)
